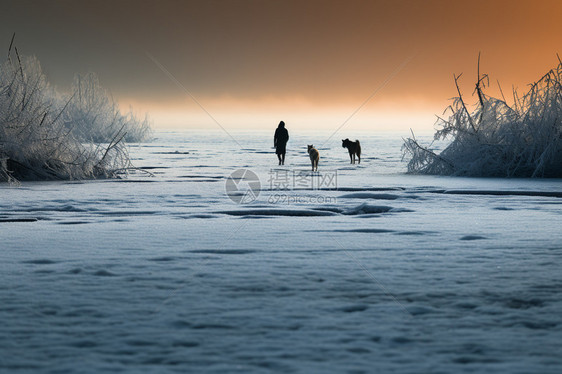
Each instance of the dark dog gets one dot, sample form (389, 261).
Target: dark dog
(314, 156)
(354, 148)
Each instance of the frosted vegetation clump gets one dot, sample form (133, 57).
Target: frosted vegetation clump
(496, 139)
(45, 136)
(94, 116)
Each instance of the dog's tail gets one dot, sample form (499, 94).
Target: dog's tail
(358, 147)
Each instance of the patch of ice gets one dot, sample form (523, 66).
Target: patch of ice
(473, 237)
(277, 212)
(367, 209)
(369, 195)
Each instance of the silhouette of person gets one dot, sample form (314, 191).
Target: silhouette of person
(280, 142)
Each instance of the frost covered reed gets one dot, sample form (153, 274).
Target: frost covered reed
(45, 136)
(496, 139)
(94, 115)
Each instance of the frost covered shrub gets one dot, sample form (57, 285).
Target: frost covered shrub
(93, 115)
(37, 141)
(496, 139)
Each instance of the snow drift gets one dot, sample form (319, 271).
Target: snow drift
(498, 140)
(44, 135)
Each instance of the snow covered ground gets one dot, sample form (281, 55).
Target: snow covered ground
(385, 273)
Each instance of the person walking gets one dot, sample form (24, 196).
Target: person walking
(280, 142)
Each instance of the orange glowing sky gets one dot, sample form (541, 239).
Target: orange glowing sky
(250, 63)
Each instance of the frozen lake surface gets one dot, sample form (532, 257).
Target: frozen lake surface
(355, 269)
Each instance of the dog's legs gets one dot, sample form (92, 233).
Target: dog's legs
(350, 158)
(359, 158)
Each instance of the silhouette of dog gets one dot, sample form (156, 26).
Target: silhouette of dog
(314, 156)
(354, 148)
